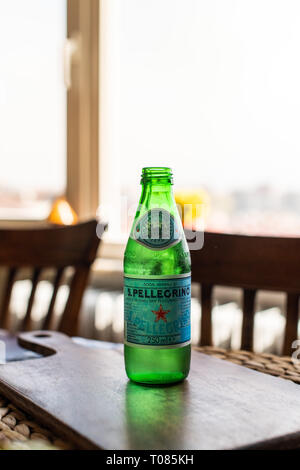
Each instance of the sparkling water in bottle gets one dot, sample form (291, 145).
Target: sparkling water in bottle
(157, 287)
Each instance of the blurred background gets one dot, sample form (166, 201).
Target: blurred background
(93, 90)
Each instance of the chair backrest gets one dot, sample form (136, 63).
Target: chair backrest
(56, 247)
(251, 263)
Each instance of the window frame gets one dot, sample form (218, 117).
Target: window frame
(83, 107)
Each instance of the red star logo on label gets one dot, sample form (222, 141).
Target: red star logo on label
(160, 314)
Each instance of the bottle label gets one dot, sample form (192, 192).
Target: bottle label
(157, 229)
(157, 311)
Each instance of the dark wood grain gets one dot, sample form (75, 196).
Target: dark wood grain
(206, 321)
(55, 247)
(35, 279)
(83, 394)
(52, 245)
(292, 316)
(69, 321)
(4, 316)
(49, 317)
(251, 263)
(248, 319)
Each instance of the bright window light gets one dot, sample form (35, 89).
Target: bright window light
(210, 88)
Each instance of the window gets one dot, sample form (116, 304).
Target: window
(210, 88)
(32, 107)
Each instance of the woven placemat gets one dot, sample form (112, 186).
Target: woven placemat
(279, 366)
(19, 431)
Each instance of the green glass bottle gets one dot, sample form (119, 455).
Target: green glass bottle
(157, 287)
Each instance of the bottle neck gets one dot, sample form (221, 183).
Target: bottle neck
(157, 176)
(157, 195)
(157, 180)
(157, 188)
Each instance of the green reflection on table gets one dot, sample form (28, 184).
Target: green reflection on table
(155, 415)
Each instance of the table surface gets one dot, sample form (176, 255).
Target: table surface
(222, 405)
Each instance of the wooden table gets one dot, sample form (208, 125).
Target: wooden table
(221, 406)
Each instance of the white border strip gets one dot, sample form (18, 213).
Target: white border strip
(164, 276)
(167, 346)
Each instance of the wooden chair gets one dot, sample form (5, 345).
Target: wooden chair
(50, 247)
(250, 263)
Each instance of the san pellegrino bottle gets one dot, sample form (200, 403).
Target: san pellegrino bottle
(157, 287)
